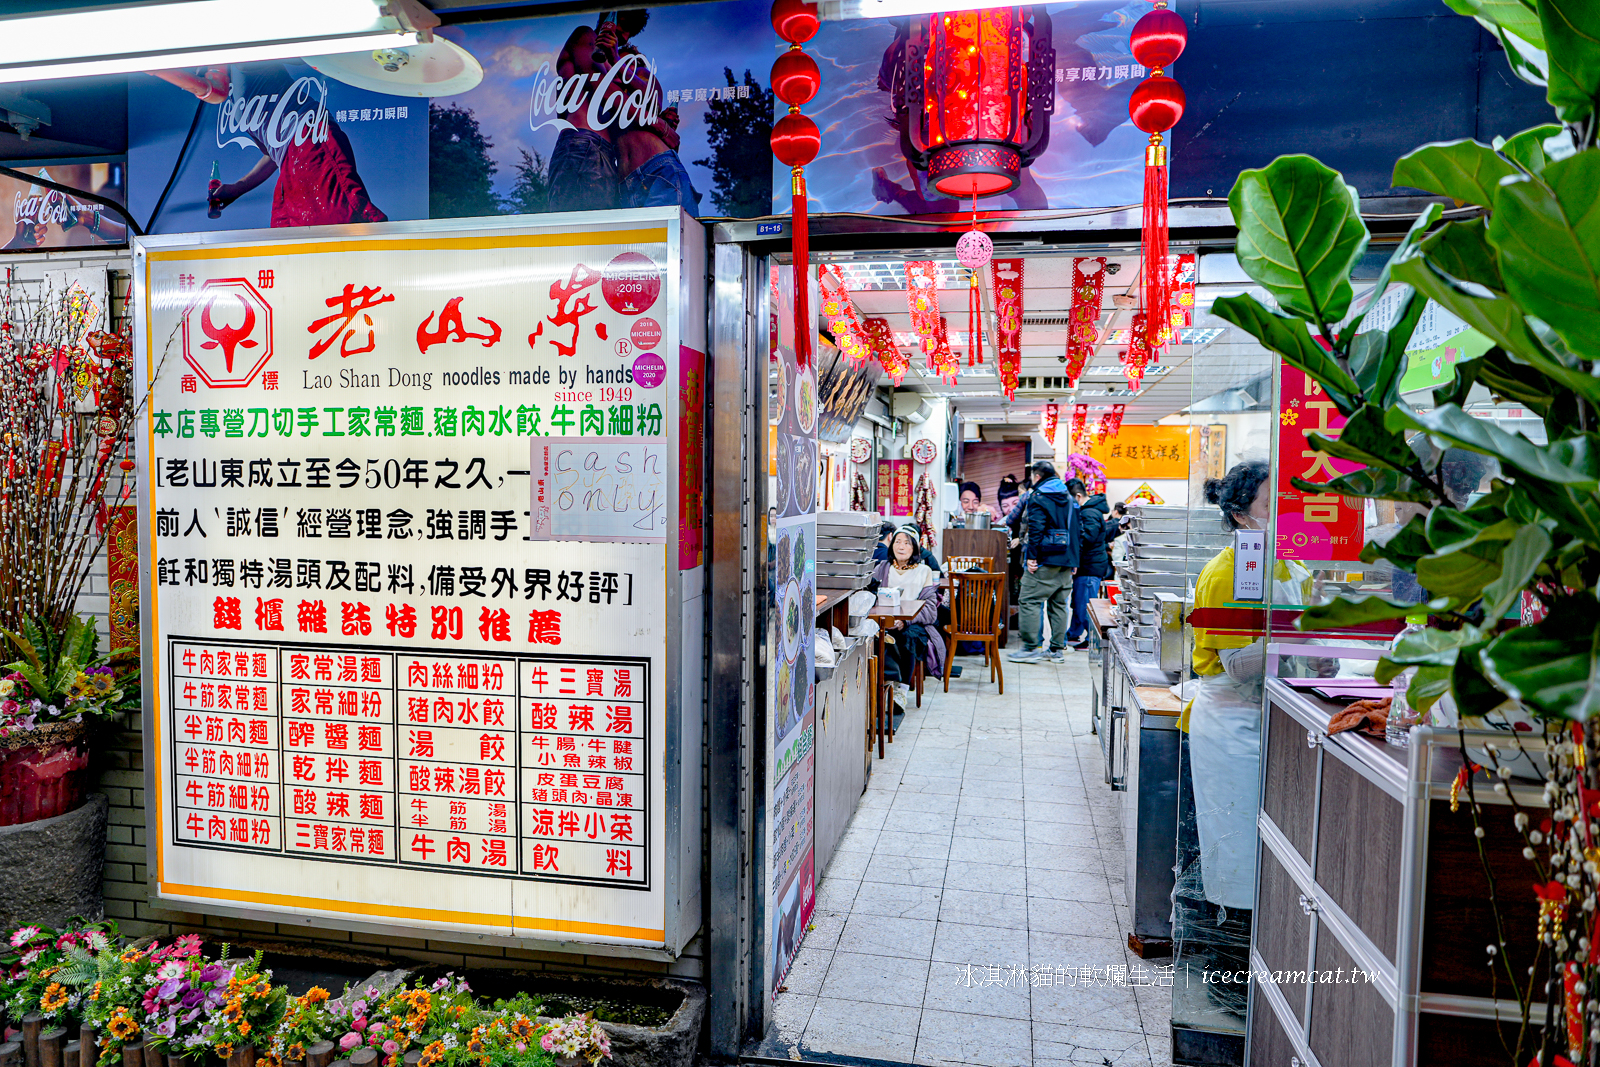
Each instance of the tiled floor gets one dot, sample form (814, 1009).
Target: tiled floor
(985, 849)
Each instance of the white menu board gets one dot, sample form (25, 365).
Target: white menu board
(376, 690)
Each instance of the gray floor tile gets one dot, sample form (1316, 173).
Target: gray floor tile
(1006, 789)
(1055, 1044)
(835, 894)
(880, 979)
(989, 829)
(981, 946)
(984, 909)
(1080, 1005)
(790, 1014)
(1088, 886)
(946, 784)
(880, 935)
(934, 846)
(1041, 809)
(898, 901)
(922, 803)
(958, 1038)
(905, 870)
(865, 1029)
(980, 850)
(847, 865)
(1085, 857)
(986, 878)
(1076, 835)
(1071, 916)
(962, 987)
(810, 967)
(921, 822)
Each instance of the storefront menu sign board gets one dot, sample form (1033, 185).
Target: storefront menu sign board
(383, 684)
(1322, 526)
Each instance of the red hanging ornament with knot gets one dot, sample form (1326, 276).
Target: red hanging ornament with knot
(1156, 106)
(796, 142)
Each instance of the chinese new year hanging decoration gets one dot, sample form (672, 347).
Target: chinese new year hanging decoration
(1007, 274)
(796, 142)
(1048, 418)
(844, 322)
(1183, 292)
(922, 508)
(1113, 419)
(1088, 293)
(1076, 442)
(1136, 357)
(1156, 107)
(880, 342)
(922, 302)
(980, 88)
(974, 250)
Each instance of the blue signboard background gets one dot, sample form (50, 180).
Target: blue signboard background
(389, 152)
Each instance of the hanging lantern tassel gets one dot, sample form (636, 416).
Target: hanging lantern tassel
(1156, 106)
(796, 142)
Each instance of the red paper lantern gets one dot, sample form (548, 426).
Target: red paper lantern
(795, 77)
(1158, 38)
(1156, 104)
(796, 140)
(795, 20)
(979, 112)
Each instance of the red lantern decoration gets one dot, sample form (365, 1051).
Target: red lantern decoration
(1156, 106)
(978, 113)
(796, 142)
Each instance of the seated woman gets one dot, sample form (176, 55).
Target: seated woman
(916, 637)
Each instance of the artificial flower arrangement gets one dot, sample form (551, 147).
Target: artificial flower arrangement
(186, 1005)
(59, 679)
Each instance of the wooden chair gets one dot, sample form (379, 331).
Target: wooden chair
(962, 564)
(975, 616)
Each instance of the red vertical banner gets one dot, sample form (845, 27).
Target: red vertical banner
(1083, 331)
(900, 501)
(1183, 280)
(122, 575)
(885, 486)
(691, 457)
(1322, 526)
(1007, 274)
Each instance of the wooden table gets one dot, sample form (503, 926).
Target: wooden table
(882, 710)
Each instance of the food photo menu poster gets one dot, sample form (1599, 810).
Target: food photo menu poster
(791, 583)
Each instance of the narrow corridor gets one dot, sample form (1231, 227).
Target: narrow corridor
(974, 912)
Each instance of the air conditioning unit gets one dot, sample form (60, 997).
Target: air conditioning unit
(912, 407)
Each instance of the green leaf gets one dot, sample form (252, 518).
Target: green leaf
(1527, 149)
(1430, 646)
(1572, 41)
(1378, 356)
(1403, 548)
(1344, 612)
(1449, 529)
(1522, 557)
(1365, 439)
(1427, 686)
(1567, 462)
(1371, 484)
(1288, 338)
(1552, 667)
(1518, 17)
(1474, 693)
(1462, 573)
(1547, 236)
(1464, 170)
(1300, 232)
(26, 647)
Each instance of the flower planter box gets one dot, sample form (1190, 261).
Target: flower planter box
(50, 868)
(672, 1044)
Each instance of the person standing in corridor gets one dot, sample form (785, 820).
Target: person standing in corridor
(1094, 559)
(1051, 558)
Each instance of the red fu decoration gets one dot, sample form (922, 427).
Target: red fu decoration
(796, 142)
(1155, 107)
(978, 113)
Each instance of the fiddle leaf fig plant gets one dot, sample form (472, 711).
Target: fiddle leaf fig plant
(1518, 261)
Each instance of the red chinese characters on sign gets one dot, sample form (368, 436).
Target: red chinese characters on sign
(451, 328)
(1007, 274)
(572, 304)
(347, 305)
(1312, 526)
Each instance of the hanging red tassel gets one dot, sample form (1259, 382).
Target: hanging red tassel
(1156, 106)
(1157, 277)
(802, 273)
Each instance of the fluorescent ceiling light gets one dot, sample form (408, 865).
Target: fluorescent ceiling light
(190, 33)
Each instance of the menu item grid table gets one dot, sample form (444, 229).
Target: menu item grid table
(518, 766)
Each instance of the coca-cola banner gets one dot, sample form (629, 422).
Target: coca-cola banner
(642, 108)
(287, 147)
(36, 217)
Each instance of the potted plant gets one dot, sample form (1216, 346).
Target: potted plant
(66, 412)
(1519, 261)
(576, 1041)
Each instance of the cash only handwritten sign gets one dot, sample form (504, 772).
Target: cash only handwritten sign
(383, 688)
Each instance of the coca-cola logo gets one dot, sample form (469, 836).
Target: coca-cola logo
(606, 104)
(298, 115)
(39, 209)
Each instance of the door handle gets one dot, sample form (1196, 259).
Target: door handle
(1313, 739)
(1308, 904)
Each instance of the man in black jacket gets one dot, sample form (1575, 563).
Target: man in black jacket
(1094, 558)
(1051, 556)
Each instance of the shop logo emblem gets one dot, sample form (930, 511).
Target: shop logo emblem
(230, 340)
